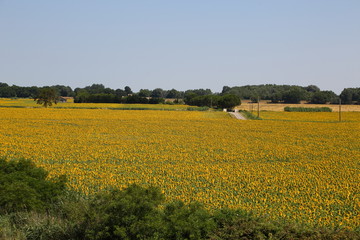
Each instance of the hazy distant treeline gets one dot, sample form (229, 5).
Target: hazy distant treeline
(274, 93)
(294, 94)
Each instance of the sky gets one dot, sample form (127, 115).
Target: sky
(185, 44)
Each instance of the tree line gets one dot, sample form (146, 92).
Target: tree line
(98, 93)
(293, 94)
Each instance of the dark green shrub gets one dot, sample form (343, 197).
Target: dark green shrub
(229, 101)
(156, 100)
(350, 95)
(23, 186)
(302, 109)
(238, 224)
(202, 100)
(323, 97)
(187, 221)
(197, 109)
(129, 214)
(135, 99)
(294, 95)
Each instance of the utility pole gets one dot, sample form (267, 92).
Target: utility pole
(258, 107)
(340, 110)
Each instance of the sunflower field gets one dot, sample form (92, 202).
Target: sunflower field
(289, 166)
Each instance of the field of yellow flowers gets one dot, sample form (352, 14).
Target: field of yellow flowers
(311, 116)
(304, 171)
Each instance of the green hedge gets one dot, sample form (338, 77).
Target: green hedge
(303, 109)
(197, 108)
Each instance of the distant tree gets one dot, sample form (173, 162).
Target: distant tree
(202, 91)
(294, 95)
(95, 88)
(276, 97)
(157, 93)
(128, 90)
(47, 96)
(21, 92)
(173, 93)
(225, 89)
(7, 92)
(312, 88)
(268, 91)
(346, 96)
(3, 85)
(144, 93)
(322, 97)
(203, 101)
(17, 91)
(109, 91)
(254, 98)
(156, 100)
(33, 91)
(350, 95)
(120, 92)
(229, 101)
(64, 91)
(102, 98)
(135, 98)
(82, 96)
(188, 96)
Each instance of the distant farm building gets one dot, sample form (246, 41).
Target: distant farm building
(66, 99)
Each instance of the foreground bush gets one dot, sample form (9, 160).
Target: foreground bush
(135, 213)
(187, 221)
(129, 214)
(239, 224)
(23, 186)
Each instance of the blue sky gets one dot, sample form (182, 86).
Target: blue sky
(180, 44)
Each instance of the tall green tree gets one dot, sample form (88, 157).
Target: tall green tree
(144, 93)
(47, 96)
(128, 90)
(322, 97)
(229, 101)
(173, 93)
(294, 95)
(157, 93)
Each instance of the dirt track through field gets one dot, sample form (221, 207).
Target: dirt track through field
(237, 115)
